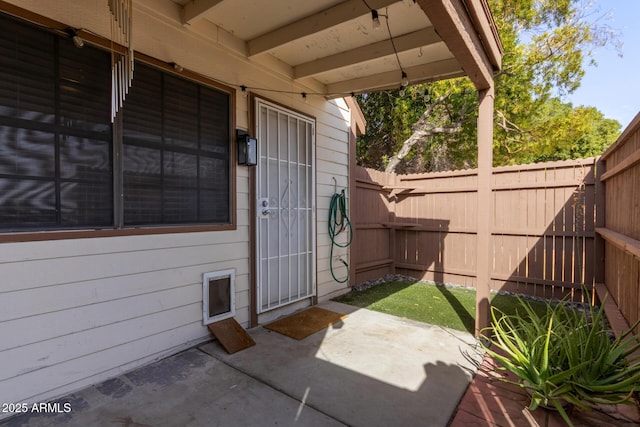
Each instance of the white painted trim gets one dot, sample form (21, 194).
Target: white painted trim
(231, 274)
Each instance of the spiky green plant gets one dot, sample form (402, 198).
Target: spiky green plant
(565, 356)
(612, 373)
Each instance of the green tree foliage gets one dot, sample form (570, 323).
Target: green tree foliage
(564, 132)
(546, 43)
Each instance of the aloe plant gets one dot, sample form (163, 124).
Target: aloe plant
(613, 372)
(565, 355)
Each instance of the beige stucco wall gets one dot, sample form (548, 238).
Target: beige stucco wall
(76, 312)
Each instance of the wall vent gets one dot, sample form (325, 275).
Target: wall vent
(218, 295)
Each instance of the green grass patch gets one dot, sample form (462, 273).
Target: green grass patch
(438, 305)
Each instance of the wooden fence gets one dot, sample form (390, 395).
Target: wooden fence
(424, 225)
(621, 226)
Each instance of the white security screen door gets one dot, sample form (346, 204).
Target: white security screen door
(285, 213)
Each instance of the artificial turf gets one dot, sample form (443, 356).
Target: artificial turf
(438, 305)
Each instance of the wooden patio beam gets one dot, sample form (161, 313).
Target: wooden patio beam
(413, 40)
(445, 69)
(196, 9)
(487, 31)
(484, 254)
(453, 24)
(342, 12)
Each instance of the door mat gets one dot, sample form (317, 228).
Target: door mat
(305, 323)
(231, 335)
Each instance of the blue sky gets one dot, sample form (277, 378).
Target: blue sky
(613, 86)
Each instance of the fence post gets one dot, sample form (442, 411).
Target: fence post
(485, 211)
(600, 203)
(392, 180)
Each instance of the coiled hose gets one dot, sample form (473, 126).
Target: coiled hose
(339, 222)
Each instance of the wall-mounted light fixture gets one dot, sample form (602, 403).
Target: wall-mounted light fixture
(247, 148)
(77, 40)
(375, 19)
(179, 68)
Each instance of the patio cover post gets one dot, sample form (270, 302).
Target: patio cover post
(485, 209)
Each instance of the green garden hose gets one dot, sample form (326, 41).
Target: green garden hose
(338, 223)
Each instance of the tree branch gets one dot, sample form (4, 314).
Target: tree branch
(423, 129)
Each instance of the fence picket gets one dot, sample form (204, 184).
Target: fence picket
(542, 228)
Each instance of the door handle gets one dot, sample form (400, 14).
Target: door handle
(266, 211)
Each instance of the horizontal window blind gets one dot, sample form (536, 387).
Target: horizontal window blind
(176, 151)
(55, 133)
(57, 140)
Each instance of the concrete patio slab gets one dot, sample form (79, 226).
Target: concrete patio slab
(370, 369)
(188, 389)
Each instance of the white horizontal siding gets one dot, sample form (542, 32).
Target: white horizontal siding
(332, 160)
(76, 312)
(54, 351)
(73, 373)
(64, 270)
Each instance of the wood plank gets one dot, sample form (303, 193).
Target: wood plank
(231, 336)
(370, 226)
(627, 244)
(617, 321)
(403, 42)
(443, 69)
(535, 281)
(196, 9)
(632, 129)
(454, 26)
(416, 267)
(532, 231)
(373, 264)
(334, 15)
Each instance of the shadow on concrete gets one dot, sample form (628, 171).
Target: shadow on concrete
(370, 369)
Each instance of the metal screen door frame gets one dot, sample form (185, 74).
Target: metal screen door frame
(285, 215)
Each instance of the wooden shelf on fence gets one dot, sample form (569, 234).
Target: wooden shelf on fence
(401, 224)
(398, 190)
(373, 265)
(363, 183)
(621, 241)
(540, 232)
(386, 225)
(426, 227)
(371, 226)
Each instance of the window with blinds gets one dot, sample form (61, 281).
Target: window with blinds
(176, 151)
(57, 144)
(55, 133)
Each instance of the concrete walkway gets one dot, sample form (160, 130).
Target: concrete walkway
(371, 369)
